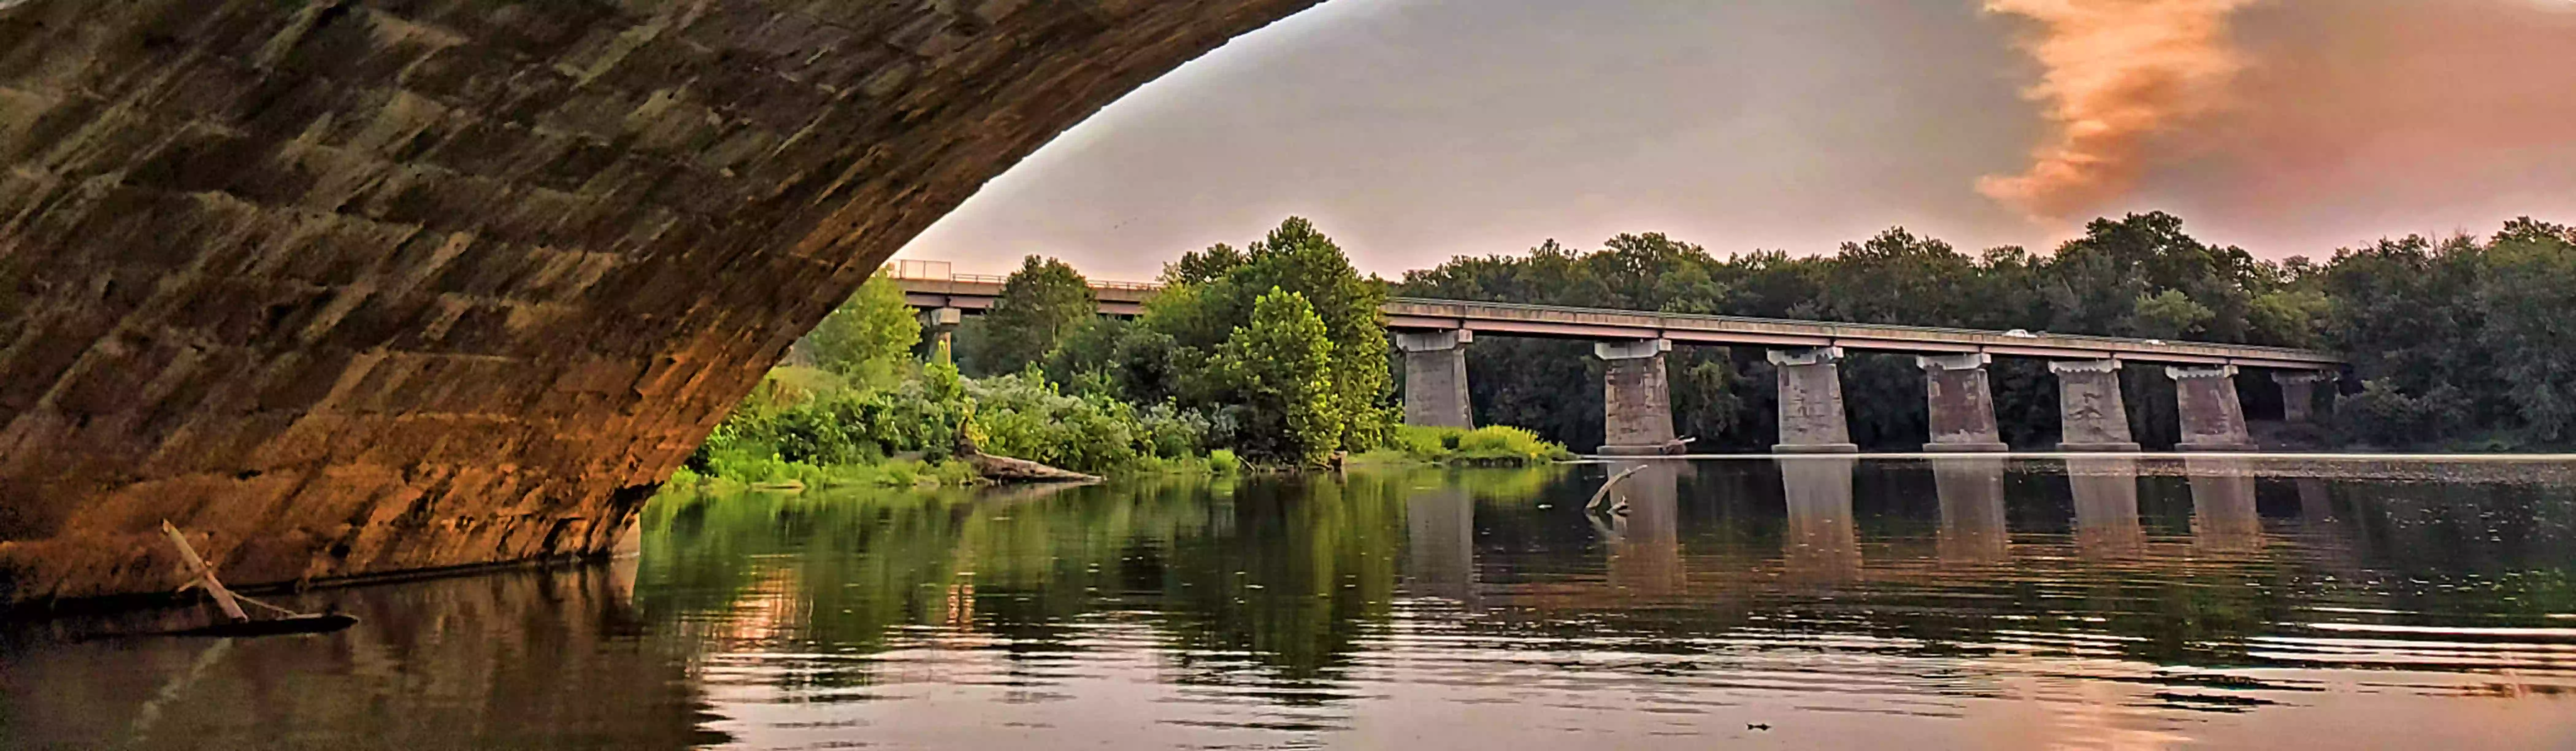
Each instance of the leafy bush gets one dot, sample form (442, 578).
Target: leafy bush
(1492, 444)
(2381, 415)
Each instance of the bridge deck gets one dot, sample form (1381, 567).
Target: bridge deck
(1559, 322)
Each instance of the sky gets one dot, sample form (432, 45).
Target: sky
(1413, 131)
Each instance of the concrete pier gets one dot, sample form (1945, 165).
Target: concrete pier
(2212, 417)
(2299, 393)
(1637, 401)
(1811, 403)
(2094, 416)
(1435, 378)
(1962, 402)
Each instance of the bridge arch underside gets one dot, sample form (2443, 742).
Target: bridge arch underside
(348, 287)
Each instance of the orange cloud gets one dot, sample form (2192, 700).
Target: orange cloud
(2116, 73)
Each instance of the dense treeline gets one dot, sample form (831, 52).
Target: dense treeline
(2455, 340)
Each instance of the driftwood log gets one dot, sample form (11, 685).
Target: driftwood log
(1006, 470)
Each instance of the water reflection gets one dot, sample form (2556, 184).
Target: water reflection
(1971, 489)
(459, 663)
(2105, 490)
(2223, 516)
(1822, 544)
(2005, 603)
(1440, 543)
(1644, 528)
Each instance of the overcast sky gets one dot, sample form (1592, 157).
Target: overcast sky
(1417, 130)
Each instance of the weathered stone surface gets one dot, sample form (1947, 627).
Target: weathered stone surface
(360, 286)
(1811, 403)
(1435, 378)
(2213, 417)
(2094, 416)
(1637, 401)
(2299, 393)
(1962, 405)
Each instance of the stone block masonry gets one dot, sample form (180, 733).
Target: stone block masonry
(351, 287)
(1962, 404)
(1637, 401)
(2092, 415)
(2213, 417)
(1811, 403)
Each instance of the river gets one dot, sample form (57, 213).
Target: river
(2020, 603)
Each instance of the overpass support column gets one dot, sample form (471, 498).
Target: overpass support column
(1963, 405)
(1637, 415)
(1811, 402)
(2299, 393)
(941, 324)
(1435, 378)
(2212, 417)
(2093, 415)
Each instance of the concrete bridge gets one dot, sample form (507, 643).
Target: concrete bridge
(1434, 334)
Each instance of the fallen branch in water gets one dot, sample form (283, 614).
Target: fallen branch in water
(1006, 469)
(1604, 492)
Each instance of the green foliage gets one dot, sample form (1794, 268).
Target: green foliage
(1041, 305)
(1491, 445)
(2169, 315)
(2482, 317)
(868, 337)
(1025, 417)
(1279, 362)
(2383, 416)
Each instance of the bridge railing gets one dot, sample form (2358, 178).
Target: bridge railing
(1660, 319)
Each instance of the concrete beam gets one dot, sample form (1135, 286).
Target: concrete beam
(1811, 402)
(2213, 419)
(1435, 378)
(1962, 404)
(2089, 407)
(1637, 402)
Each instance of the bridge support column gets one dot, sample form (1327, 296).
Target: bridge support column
(1435, 378)
(2299, 393)
(1963, 405)
(2212, 417)
(1811, 402)
(941, 324)
(2089, 404)
(1637, 415)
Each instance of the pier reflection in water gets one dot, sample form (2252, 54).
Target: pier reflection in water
(1960, 602)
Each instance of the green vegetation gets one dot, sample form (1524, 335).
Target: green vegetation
(1493, 445)
(1273, 355)
(2460, 343)
(1041, 304)
(1279, 344)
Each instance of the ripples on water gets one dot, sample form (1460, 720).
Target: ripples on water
(2036, 603)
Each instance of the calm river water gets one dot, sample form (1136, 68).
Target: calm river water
(1793, 603)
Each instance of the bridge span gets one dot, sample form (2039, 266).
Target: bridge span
(1434, 333)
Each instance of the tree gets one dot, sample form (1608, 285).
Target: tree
(1214, 294)
(1280, 363)
(1039, 306)
(865, 338)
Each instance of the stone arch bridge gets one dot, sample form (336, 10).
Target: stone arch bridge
(358, 287)
(349, 287)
